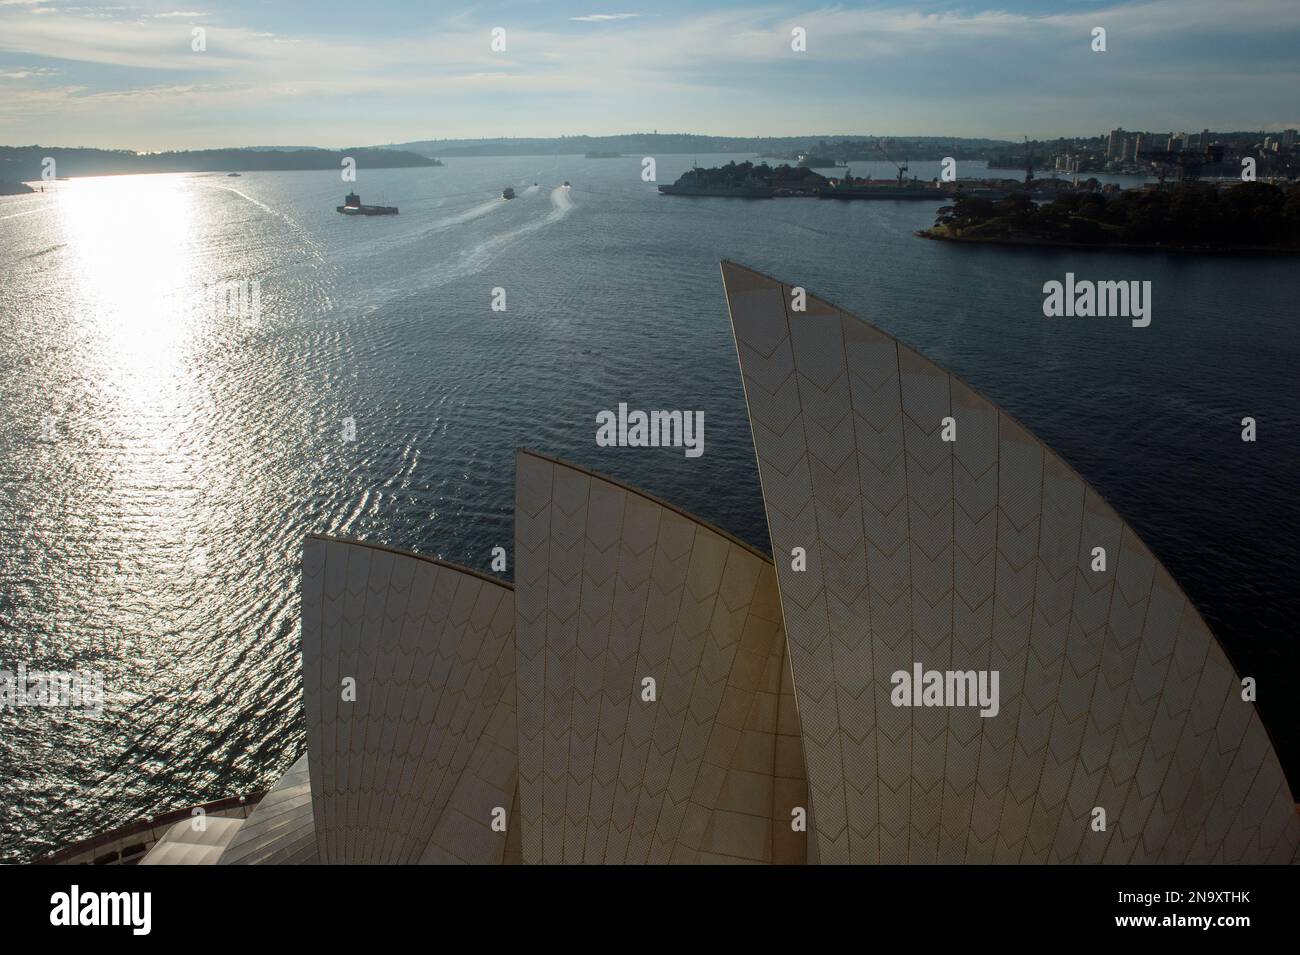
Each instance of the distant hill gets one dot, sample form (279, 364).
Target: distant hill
(919, 148)
(25, 162)
(19, 163)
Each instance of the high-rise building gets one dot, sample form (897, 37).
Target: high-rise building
(1288, 138)
(1115, 144)
(1149, 142)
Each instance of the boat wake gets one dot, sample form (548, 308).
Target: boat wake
(478, 257)
(309, 240)
(29, 212)
(470, 260)
(469, 215)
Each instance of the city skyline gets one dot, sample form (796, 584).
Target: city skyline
(113, 76)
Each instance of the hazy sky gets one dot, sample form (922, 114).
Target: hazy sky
(334, 73)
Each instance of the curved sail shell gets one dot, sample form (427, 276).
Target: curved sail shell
(616, 588)
(408, 680)
(978, 554)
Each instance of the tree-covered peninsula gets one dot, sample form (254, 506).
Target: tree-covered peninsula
(1253, 216)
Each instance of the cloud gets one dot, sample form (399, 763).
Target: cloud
(26, 73)
(711, 69)
(714, 40)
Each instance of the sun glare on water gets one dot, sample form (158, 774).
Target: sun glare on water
(132, 239)
(135, 250)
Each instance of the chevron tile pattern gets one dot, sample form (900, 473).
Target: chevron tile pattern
(413, 766)
(464, 834)
(977, 554)
(615, 588)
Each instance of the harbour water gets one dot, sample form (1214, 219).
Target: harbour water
(161, 460)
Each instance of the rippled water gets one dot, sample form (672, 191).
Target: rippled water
(159, 464)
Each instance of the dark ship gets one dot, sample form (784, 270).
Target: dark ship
(352, 207)
(808, 161)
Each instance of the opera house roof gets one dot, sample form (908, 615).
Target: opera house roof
(653, 690)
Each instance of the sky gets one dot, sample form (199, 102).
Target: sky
(123, 74)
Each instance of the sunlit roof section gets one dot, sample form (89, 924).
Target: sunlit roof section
(281, 829)
(656, 720)
(408, 680)
(200, 840)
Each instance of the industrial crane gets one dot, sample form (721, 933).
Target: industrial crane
(902, 168)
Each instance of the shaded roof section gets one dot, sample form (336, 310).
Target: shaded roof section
(408, 681)
(464, 833)
(615, 588)
(977, 555)
(281, 829)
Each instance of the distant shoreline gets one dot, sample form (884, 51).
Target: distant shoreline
(30, 163)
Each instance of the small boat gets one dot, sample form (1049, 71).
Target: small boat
(231, 174)
(352, 207)
(507, 193)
